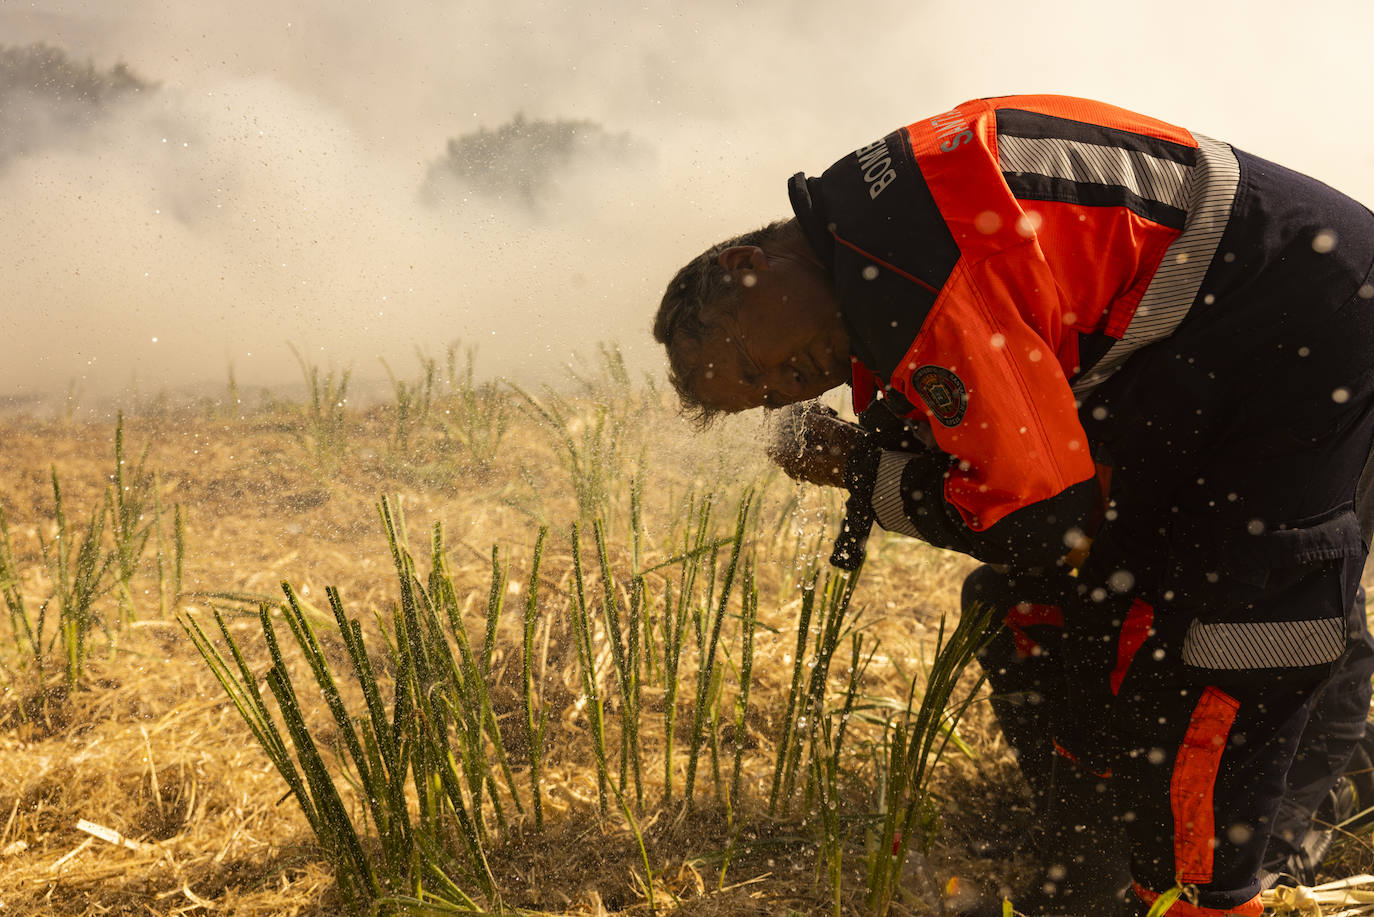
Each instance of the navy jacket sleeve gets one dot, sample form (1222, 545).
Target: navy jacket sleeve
(908, 497)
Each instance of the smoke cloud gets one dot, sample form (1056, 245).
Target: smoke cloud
(269, 189)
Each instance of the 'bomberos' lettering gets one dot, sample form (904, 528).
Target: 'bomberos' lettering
(875, 162)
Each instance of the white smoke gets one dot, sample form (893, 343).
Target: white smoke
(268, 191)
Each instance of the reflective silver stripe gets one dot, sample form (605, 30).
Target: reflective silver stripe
(1263, 644)
(1209, 191)
(887, 494)
(1140, 173)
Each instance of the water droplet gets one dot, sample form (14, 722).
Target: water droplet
(1028, 223)
(1121, 581)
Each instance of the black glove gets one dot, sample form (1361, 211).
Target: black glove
(885, 431)
(893, 432)
(860, 476)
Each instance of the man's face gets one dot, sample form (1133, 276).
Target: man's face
(784, 343)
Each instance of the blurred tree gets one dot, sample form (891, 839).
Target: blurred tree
(524, 160)
(46, 96)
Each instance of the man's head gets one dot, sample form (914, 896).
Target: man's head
(752, 322)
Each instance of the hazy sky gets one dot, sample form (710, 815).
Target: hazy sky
(266, 193)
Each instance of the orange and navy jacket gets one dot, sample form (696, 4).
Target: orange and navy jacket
(995, 264)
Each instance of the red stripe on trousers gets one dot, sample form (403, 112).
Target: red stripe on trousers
(1181, 908)
(1193, 782)
(1134, 632)
(1029, 614)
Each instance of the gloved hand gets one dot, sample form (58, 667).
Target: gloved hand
(900, 434)
(811, 443)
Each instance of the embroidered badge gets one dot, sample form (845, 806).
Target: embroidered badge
(943, 393)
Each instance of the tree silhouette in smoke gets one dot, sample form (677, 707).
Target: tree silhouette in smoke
(524, 161)
(45, 96)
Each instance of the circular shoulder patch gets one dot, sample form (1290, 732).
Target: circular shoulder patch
(942, 391)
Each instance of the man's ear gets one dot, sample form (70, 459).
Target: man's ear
(743, 257)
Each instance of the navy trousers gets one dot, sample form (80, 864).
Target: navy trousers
(1196, 766)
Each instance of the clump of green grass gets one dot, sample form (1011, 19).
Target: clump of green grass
(79, 582)
(624, 656)
(913, 744)
(593, 430)
(589, 447)
(26, 642)
(698, 553)
(429, 743)
(170, 560)
(431, 769)
(624, 645)
(84, 561)
(10, 591)
(324, 428)
(475, 414)
(586, 667)
(412, 403)
(708, 638)
(77, 569)
(134, 512)
(805, 706)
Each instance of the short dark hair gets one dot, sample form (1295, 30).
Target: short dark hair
(680, 325)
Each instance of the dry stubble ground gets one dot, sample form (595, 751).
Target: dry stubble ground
(149, 746)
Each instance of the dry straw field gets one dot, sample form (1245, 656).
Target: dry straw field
(475, 648)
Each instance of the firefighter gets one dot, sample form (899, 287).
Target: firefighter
(1130, 368)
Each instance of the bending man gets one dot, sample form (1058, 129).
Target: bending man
(1131, 368)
